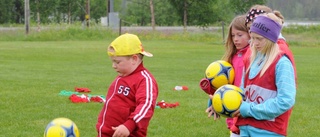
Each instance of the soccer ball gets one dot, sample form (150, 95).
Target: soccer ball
(220, 73)
(61, 127)
(227, 99)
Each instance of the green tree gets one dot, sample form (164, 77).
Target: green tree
(44, 9)
(201, 13)
(71, 9)
(164, 15)
(18, 11)
(11, 11)
(98, 9)
(136, 12)
(242, 6)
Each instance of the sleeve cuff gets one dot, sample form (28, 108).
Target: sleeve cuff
(130, 124)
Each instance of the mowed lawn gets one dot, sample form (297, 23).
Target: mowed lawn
(33, 73)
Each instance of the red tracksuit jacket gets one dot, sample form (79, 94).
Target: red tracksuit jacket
(130, 101)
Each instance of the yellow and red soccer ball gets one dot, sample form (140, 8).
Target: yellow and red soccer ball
(61, 127)
(227, 99)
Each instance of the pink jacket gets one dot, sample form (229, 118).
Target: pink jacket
(238, 65)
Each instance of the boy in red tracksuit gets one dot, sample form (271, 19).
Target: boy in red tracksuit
(132, 96)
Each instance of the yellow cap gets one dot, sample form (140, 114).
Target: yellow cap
(127, 44)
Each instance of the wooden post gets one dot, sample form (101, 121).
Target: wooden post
(108, 11)
(222, 23)
(153, 21)
(88, 13)
(26, 15)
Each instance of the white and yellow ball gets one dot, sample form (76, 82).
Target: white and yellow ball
(61, 127)
(227, 99)
(220, 73)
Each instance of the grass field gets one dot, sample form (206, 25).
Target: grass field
(33, 73)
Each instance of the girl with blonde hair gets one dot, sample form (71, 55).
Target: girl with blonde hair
(268, 83)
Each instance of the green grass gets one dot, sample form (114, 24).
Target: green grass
(32, 73)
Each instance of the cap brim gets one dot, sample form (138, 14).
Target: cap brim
(148, 54)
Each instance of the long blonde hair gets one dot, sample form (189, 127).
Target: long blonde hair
(238, 23)
(270, 50)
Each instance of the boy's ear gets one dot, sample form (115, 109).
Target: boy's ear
(135, 57)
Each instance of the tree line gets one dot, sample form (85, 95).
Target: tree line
(148, 12)
(132, 12)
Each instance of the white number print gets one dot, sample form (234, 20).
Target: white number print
(124, 90)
